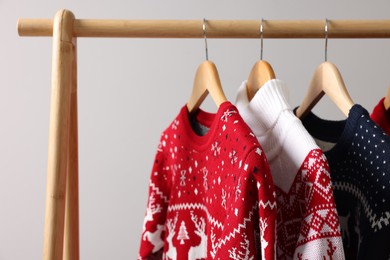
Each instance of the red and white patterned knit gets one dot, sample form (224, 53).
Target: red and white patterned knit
(307, 223)
(211, 196)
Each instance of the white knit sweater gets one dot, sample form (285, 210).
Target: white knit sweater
(308, 224)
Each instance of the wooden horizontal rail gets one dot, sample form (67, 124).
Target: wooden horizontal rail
(214, 28)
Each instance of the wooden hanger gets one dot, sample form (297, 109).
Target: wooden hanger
(326, 80)
(261, 73)
(386, 101)
(206, 81)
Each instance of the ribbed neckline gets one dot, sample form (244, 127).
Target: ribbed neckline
(340, 132)
(265, 106)
(210, 120)
(264, 114)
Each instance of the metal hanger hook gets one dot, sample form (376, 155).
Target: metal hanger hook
(326, 39)
(205, 38)
(261, 39)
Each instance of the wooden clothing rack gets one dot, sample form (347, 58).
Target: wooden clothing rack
(61, 235)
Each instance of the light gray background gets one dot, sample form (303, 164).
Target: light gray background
(130, 90)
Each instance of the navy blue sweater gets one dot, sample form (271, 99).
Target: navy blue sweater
(360, 173)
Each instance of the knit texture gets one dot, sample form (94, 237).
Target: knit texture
(211, 195)
(360, 173)
(381, 116)
(307, 223)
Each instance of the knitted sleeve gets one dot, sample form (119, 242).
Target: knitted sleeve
(152, 240)
(319, 236)
(257, 165)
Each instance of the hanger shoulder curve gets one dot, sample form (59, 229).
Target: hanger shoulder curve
(386, 101)
(326, 80)
(206, 81)
(261, 73)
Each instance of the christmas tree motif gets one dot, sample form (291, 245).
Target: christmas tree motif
(183, 234)
(243, 253)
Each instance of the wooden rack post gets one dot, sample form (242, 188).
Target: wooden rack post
(61, 218)
(71, 229)
(61, 237)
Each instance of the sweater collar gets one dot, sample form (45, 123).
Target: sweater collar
(262, 112)
(206, 120)
(340, 132)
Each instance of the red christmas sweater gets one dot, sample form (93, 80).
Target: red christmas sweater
(211, 195)
(381, 116)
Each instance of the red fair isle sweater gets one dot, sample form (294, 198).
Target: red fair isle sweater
(211, 196)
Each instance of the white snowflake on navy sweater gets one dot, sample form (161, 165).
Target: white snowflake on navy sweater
(360, 173)
(211, 195)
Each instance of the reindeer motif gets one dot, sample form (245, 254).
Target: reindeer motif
(151, 210)
(171, 253)
(214, 243)
(155, 238)
(264, 243)
(199, 251)
(244, 252)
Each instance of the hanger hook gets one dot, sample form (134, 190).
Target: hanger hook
(205, 38)
(326, 39)
(261, 39)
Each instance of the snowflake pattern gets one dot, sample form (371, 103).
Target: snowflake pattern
(174, 171)
(202, 183)
(233, 156)
(223, 203)
(175, 124)
(205, 172)
(216, 149)
(238, 191)
(228, 113)
(183, 178)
